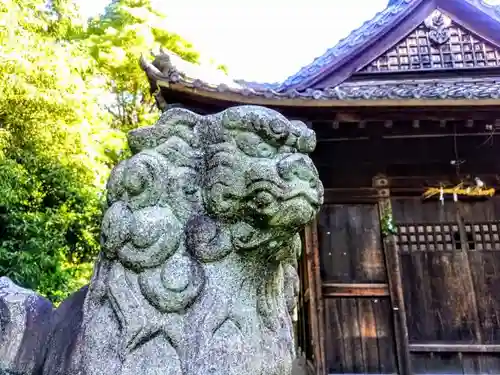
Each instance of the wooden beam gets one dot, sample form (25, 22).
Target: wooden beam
(393, 276)
(355, 290)
(341, 183)
(319, 296)
(317, 330)
(328, 103)
(468, 275)
(350, 195)
(454, 348)
(409, 127)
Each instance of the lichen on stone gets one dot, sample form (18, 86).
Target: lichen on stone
(200, 240)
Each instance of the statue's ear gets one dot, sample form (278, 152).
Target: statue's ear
(114, 187)
(149, 137)
(142, 138)
(212, 132)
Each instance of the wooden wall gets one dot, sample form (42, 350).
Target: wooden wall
(423, 299)
(358, 327)
(411, 153)
(449, 275)
(450, 257)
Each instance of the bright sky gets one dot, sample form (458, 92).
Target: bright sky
(262, 40)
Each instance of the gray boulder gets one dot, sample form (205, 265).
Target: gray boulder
(25, 322)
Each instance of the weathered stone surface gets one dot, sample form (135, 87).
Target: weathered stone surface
(299, 366)
(65, 325)
(197, 273)
(24, 327)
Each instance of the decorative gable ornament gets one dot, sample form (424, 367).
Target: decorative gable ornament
(438, 25)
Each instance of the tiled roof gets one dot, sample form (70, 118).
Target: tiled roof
(370, 30)
(170, 69)
(357, 38)
(493, 6)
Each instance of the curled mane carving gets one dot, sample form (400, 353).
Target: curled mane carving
(199, 245)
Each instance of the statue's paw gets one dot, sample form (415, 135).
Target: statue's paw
(206, 240)
(154, 236)
(173, 286)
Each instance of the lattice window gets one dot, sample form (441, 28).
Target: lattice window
(446, 237)
(419, 52)
(485, 236)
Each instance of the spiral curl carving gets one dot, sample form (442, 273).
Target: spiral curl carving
(200, 238)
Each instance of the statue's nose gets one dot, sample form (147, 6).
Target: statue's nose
(296, 166)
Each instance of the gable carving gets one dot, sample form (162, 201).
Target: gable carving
(437, 43)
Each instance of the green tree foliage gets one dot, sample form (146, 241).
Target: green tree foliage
(54, 152)
(126, 30)
(70, 88)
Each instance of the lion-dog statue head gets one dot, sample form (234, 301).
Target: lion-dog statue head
(199, 248)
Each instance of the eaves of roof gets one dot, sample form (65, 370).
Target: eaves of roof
(163, 73)
(170, 71)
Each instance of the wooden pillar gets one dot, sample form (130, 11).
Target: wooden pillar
(381, 183)
(316, 314)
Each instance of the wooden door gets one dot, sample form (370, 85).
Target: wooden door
(450, 261)
(357, 331)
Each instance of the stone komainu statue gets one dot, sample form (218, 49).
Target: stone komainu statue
(197, 273)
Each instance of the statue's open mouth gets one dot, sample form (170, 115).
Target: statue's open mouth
(310, 196)
(281, 194)
(256, 239)
(294, 209)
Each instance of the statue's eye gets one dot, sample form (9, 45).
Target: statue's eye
(253, 145)
(266, 151)
(263, 199)
(190, 190)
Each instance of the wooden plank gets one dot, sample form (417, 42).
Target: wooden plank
(385, 335)
(303, 342)
(403, 149)
(468, 276)
(313, 309)
(349, 237)
(394, 277)
(350, 195)
(355, 290)
(319, 298)
(415, 265)
(450, 278)
(369, 345)
(483, 226)
(450, 362)
(438, 363)
(361, 338)
(437, 284)
(335, 351)
(454, 348)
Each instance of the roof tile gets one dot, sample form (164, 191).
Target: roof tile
(354, 40)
